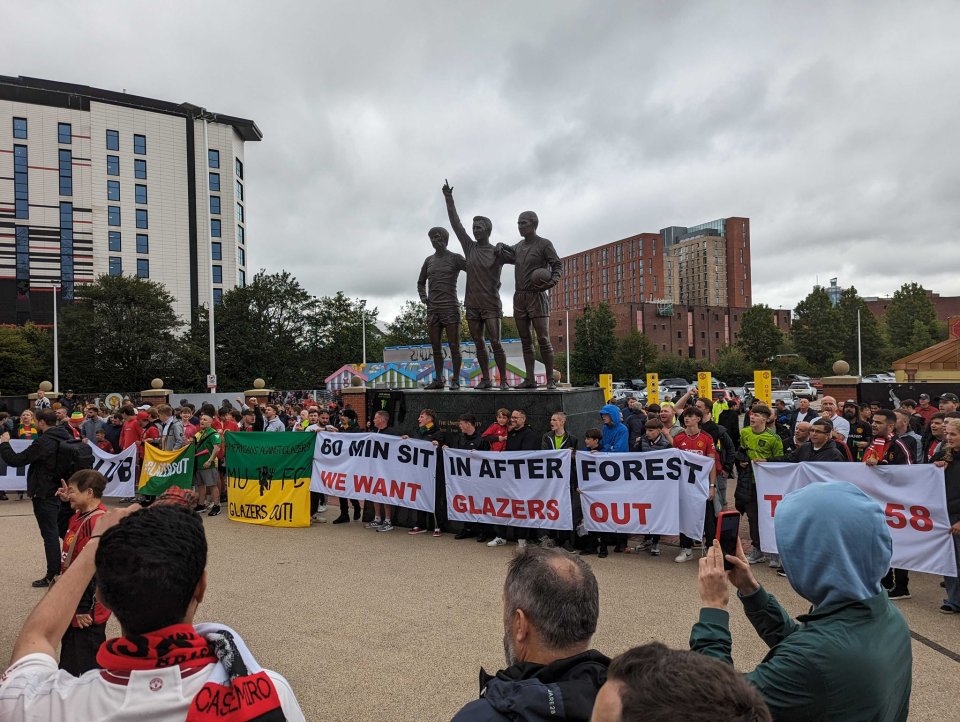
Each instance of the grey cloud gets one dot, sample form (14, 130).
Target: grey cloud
(830, 125)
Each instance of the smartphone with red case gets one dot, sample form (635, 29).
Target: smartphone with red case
(728, 530)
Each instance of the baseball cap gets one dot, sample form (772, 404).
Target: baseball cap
(850, 402)
(924, 397)
(950, 397)
(143, 416)
(145, 407)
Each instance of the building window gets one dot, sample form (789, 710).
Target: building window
(142, 218)
(140, 169)
(239, 212)
(113, 215)
(143, 243)
(215, 227)
(216, 251)
(64, 133)
(113, 165)
(23, 259)
(240, 234)
(140, 193)
(239, 168)
(213, 158)
(217, 296)
(239, 191)
(140, 144)
(241, 257)
(214, 182)
(113, 190)
(20, 128)
(113, 241)
(113, 140)
(66, 250)
(241, 277)
(66, 173)
(215, 205)
(116, 267)
(21, 185)
(143, 268)
(217, 274)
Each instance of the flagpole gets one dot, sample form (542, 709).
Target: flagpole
(859, 347)
(567, 312)
(56, 345)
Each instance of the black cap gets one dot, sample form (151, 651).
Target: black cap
(950, 397)
(924, 396)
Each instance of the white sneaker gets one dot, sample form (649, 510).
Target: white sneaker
(496, 542)
(774, 561)
(756, 556)
(322, 508)
(522, 543)
(318, 519)
(685, 555)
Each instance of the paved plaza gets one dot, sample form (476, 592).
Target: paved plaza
(369, 626)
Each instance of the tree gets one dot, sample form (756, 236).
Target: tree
(21, 368)
(759, 337)
(595, 345)
(682, 367)
(733, 367)
(873, 345)
(911, 304)
(264, 329)
(409, 328)
(635, 356)
(336, 335)
(815, 328)
(118, 334)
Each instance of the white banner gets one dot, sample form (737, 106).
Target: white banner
(510, 488)
(376, 467)
(14, 478)
(659, 492)
(119, 469)
(913, 498)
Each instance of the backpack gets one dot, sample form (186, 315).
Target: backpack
(72, 456)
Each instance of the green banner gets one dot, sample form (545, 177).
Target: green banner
(268, 477)
(163, 469)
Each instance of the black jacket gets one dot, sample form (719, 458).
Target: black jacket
(547, 442)
(563, 690)
(41, 455)
(469, 442)
(525, 439)
(729, 419)
(805, 452)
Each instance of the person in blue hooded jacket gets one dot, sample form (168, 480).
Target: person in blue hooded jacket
(849, 657)
(616, 437)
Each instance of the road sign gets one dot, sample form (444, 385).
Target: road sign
(211, 381)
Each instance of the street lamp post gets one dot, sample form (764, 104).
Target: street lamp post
(56, 345)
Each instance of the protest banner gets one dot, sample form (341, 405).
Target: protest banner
(376, 467)
(660, 492)
(163, 469)
(510, 488)
(268, 477)
(14, 478)
(913, 499)
(118, 469)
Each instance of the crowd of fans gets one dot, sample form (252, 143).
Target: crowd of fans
(849, 656)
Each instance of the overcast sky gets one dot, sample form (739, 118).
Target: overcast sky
(833, 126)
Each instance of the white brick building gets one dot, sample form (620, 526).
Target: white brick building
(97, 182)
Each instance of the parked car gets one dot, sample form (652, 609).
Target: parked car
(875, 379)
(786, 396)
(803, 390)
(797, 377)
(722, 395)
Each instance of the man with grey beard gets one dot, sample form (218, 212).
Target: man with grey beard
(550, 607)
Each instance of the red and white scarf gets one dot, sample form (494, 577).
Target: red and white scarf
(238, 689)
